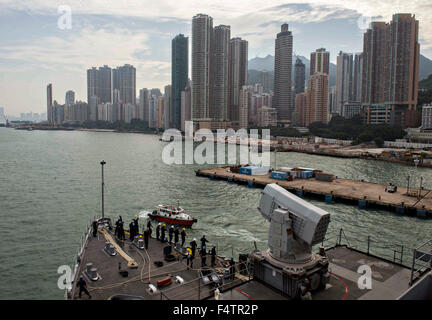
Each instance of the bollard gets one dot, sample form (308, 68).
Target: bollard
(328, 198)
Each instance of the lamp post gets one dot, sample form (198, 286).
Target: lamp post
(408, 178)
(102, 164)
(416, 161)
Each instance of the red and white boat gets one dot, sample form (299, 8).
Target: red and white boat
(170, 214)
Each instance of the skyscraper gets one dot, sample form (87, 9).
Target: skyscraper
(357, 77)
(403, 59)
(49, 103)
(265, 81)
(105, 91)
(153, 110)
(390, 71)
(344, 80)
(300, 108)
(317, 99)
(127, 83)
(299, 76)
(282, 73)
(143, 110)
(179, 76)
(92, 83)
(70, 97)
(202, 33)
(115, 79)
(167, 109)
(374, 63)
(244, 106)
(320, 61)
(99, 84)
(219, 73)
(186, 106)
(238, 74)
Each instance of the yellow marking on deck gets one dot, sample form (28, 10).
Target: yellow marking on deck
(131, 263)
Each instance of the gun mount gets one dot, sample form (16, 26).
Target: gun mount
(295, 226)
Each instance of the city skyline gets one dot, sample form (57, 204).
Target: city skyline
(115, 39)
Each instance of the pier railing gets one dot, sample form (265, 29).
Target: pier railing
(392, 252)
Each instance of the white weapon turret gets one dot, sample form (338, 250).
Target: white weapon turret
(295, 225)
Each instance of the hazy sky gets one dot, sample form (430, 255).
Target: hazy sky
(35, 51)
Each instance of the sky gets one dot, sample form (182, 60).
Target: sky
(41, 45)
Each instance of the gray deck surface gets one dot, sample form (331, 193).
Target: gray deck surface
(389, 280)
(137, 282)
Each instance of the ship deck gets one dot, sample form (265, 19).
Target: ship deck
(389, 280)
(137, 282)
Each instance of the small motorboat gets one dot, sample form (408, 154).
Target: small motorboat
(170, 214)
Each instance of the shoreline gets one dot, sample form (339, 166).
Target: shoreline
(359, 153)
(354, 156)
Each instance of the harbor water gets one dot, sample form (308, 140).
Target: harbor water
(50, 191)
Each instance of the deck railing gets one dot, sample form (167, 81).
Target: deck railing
(393, 252)
(421, 260)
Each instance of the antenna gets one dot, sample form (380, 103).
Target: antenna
(102, 164)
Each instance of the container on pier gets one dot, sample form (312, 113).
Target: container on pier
(278, 175)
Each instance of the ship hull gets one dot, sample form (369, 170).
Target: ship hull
(180, 222)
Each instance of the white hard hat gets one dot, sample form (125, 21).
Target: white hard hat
(194, 239)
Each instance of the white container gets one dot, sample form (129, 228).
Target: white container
(259, 171)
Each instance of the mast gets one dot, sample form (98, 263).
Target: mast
(102, 164)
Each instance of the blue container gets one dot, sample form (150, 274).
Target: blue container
(244, 170)
(307, 174)
(230, 179)
(278, 175)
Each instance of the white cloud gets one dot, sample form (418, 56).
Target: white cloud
(64, 60)
(88, 46)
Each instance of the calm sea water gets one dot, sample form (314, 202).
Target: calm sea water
(50, 190)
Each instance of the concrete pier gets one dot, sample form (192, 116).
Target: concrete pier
(360, 193)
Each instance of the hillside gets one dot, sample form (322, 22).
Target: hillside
(267, 63)
(425, 67)
(426, 83)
